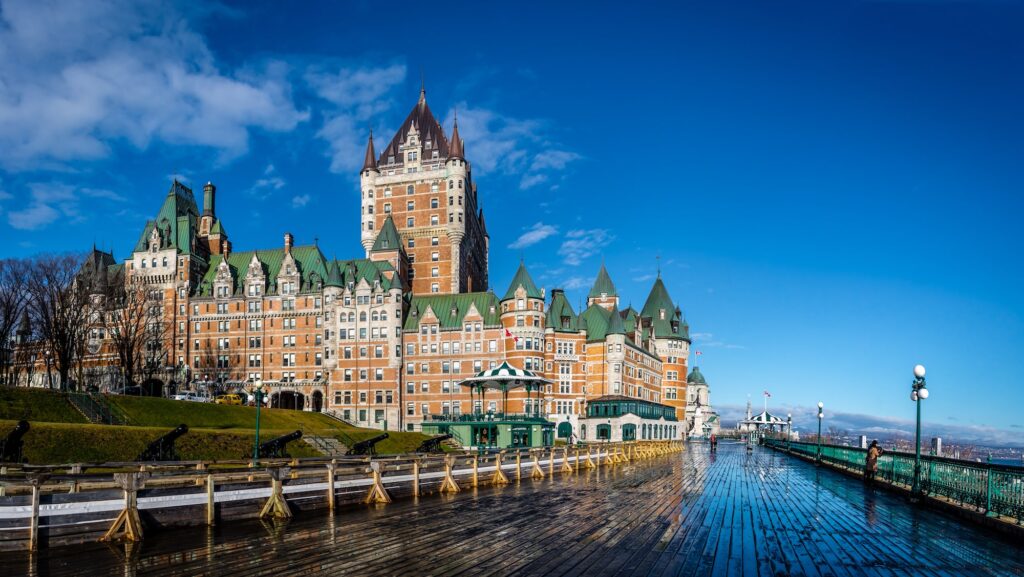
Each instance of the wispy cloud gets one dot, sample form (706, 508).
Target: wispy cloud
(268, 183)
(499, 143)
(356, 96)
(582, 243)
(576, 282)
(49, 201)
(78, 77)
(300, 201)
(708, 340)
(533, 235)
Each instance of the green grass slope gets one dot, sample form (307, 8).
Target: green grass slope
(153, 412)
(37, 405)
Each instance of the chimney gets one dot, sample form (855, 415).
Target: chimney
(225, 248)
(289, 240)
(209, 199)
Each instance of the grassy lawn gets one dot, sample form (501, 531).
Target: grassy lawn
(37, 405)
(153, 412)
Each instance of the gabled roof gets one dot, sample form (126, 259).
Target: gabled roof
(602, 285)
(522, 278)
(387, 238)
(334, 275)
(429, 129)
(177, 221)
(559, 309)
(311, 265)
(217, 228)
(486, 303)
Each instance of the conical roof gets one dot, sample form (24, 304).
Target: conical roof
(387, 238)
(662, 312)
(523, 279)
(558, 310)
(455, 148)
(615, 324)
(370, 162)
(602, 285)
(334, 275)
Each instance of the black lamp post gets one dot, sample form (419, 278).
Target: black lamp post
(918, 393)
(789, 430)
(49, 375)
(821, 416)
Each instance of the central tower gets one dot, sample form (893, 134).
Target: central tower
(423, 181)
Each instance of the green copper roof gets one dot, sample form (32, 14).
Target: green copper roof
(311, 265)
(560, 316)
(176, 222)
(615, 324)
(664, 315)
(387, 238)
(334, 276)
(217, 228)
(595, 321)
(602, 285)
(451, 310)
(356, 270)
(695, 377)
(523, 279)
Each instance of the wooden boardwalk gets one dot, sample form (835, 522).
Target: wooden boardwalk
(734, 513)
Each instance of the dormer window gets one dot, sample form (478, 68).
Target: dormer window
(412, 155)
(661, 313)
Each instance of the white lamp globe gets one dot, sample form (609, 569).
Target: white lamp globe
(919, 371)
(913, 395)
(821, 405)
(923, 393)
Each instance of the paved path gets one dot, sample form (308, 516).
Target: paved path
(748, 515)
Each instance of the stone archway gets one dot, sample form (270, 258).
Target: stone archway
(317, 403)
(293, 400)
(153, 387)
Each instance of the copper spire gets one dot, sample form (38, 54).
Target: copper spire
(455, 148)
(371, 159)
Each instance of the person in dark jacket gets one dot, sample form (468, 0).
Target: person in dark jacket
(871, 461)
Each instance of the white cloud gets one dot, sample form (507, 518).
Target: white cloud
(708, 340)
(576, 282)
(581, 244)
(357, 95)
(300, 201)
(499, 143)
(270, 182)
(78, 76)
(533, 235)
(51, 200)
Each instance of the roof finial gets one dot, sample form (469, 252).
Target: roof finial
(658, 259)
(423, 88)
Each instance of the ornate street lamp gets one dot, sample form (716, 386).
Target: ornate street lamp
(789, 430)
(918, 393)
(258, 393)
(49, 375)
(821, 416)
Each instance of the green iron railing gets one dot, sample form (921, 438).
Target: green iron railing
(482, 417)
(997, 490)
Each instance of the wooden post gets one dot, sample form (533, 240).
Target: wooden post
(330, 483)
(536, 472)
(566, 467)
(499, 477)
(590, 462)
(201, 466)
(127, 525)
(416, 478)
(448, 485)
(33, 531)
(211, 501)
(377, 493)
(577, 463)
(551, 463)
(519, 466)
(276, 506)
(476, 461)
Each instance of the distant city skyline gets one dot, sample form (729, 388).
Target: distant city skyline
(829, 189)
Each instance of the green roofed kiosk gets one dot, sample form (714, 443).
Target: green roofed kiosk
(493, 429)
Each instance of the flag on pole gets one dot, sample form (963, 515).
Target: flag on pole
(767, 394)
(698, 353)
(508, 334)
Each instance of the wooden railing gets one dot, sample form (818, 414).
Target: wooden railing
(58, 505)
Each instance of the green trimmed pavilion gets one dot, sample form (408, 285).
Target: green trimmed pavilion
(497, 430)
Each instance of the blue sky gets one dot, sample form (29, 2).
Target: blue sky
(833, 187)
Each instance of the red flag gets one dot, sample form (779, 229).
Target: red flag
(767, 394)
(514, 338)
(698, 353)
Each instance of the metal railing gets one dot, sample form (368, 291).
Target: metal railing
(476, 417)
(997, 490)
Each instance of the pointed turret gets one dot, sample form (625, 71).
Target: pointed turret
(370, 163)
(455, 147)
(603, 286)
(662, 312)
(522, 279)
(615, 324)
(334, 275)
(387, 238)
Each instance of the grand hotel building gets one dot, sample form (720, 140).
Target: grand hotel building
(383, 339)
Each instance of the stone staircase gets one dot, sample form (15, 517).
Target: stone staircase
(329, 446)
(97, 409)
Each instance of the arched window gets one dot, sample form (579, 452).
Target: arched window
(362, 316)
(383, 316)
(154, 263)
(374, 316)
(351, 317)
(409, 189)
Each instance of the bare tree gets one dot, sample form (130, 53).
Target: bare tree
(60, 307)
(13, 300)
(127, 328)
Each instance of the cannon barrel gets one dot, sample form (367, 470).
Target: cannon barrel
(11, 446)
(367, 446)
(433, 444)
(162, 448)
(276, 447)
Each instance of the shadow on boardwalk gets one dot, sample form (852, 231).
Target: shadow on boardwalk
(732, 513)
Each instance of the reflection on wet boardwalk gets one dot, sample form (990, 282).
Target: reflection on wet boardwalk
(696, 514)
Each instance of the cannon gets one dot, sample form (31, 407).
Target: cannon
(433, 444)
(367, 447)
(162, 449)
(275, 448)
(11, 446)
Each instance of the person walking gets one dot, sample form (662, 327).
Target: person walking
(871, 461)
(714, 443)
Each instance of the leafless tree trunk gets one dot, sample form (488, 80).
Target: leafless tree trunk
(60, 308)
(126, 328)
(13, 299)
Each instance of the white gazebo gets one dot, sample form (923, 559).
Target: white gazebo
(504, 378)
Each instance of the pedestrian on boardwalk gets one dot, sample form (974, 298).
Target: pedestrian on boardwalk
(871, 461)
(714, 443)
